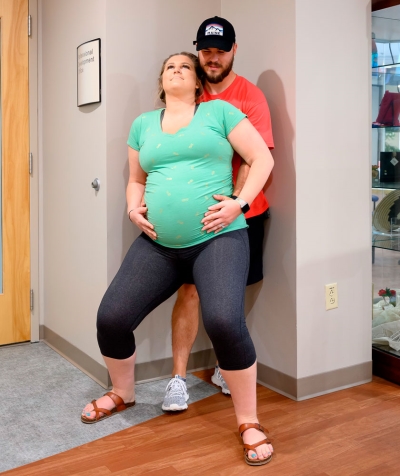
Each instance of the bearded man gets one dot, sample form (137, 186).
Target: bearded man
(216, 46)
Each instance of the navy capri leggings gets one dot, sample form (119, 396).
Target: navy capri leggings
(151, 273)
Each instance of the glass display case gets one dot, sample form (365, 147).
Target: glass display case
(385, 169)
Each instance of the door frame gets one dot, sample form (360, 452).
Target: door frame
(36, 238)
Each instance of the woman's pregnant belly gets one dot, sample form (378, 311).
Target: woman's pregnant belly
(177, 217)
(176, 203)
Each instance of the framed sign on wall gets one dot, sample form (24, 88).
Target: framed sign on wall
(88, 72)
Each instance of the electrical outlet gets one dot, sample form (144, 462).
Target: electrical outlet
(331, 296)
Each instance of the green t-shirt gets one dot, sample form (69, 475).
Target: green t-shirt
(184, 171)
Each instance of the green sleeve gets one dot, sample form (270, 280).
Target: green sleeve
(230, 116)
(134, 134)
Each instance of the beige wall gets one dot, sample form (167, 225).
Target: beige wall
(333, 183)
(266, 36)
(315, 75)
(85, 235)
(72, 153)
(139, 36)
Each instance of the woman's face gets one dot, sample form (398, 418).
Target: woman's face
(179, 75)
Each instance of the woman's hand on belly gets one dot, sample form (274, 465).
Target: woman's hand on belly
(138, 217)
(221, 214)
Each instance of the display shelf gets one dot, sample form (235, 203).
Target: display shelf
(386, 185)
(386, 97)
(387, 33)
(386, 363)
(385, 159)
(396, 129)
(392, 69)
(387, 243)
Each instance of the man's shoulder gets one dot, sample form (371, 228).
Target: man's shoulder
(248, 86)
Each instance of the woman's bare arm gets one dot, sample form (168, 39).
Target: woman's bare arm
(134, 195)
(249, 144)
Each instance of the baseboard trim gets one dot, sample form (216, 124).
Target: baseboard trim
(145, 371)
(296, 389)
(162, 368)
(276, 381)
(314, 385)
(82, 361)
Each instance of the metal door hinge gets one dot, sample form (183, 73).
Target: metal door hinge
(30, 163)
(29, 25)
(31, 300)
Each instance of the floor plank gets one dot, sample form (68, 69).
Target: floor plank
(346, 433)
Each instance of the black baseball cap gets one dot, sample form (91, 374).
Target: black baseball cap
(215, 32)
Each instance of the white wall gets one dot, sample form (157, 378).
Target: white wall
(86, 234)
(312, 63)
(139, 37)
(266, 55)
(333, 183)
(72, 154)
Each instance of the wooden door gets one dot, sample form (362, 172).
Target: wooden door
(14, 174)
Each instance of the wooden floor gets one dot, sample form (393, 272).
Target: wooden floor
(351, 432)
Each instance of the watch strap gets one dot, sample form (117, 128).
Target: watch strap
(243, 204)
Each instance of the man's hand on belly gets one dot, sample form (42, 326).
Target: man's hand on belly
(221, 214)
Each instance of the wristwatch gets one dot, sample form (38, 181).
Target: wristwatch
(243, 205)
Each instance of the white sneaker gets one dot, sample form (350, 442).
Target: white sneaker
(176, 395)
(218, 379)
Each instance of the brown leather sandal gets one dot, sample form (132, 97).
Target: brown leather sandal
(120, 406)
(251, 461)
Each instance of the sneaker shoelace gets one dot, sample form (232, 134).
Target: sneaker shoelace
(176, 388)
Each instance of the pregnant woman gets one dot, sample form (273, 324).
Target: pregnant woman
(180, 160)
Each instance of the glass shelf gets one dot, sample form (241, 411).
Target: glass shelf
(386, 185)
(389, 73)
(386, 98)
(387, 349)
(396, 129)
(387, 39)
(387, 243)
(385, 153)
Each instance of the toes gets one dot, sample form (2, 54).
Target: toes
(89, 415)
(88, 412)
(87, 409)
(261, 453)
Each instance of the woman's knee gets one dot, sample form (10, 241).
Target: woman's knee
(111, 321)
(225, 326)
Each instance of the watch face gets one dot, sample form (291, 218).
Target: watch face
(243, 205)
(246, 208)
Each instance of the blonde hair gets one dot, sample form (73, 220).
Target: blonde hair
(198, 71)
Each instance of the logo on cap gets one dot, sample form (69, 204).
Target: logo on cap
(214, 29)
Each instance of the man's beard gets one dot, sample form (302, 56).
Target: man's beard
(217, 78)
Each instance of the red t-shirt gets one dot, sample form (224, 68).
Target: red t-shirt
(251, 101)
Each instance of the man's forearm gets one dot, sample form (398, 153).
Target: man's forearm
(241, 178)
(257, 177)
